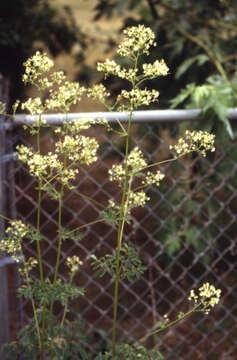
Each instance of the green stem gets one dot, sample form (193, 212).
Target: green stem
(66, 305)
(59, 233)
(34, 310)
(85, 225)
(59, 249)
(119, 239)
(38, 218)
(172, 323)
(39, 255)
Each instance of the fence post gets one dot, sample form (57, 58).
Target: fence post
(4, 316)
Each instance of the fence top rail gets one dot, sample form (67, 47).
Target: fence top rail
(139, 116)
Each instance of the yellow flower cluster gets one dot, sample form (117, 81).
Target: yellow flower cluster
(34, 106)
(38, 164)
(37, 72)
(137, 97)
(136, 164)
(200, 141)
(110, 67)
(136, 161)
(136, 199)
(78, 148)
(208, 297)
(158, 68)
(98, 92)
(64, 97)
(117, 173)
(73, 263)
(138, 39)
(153, 178)
(58, 77)
(12, 244)
(35, 67)
(28, 265)
(75, 126)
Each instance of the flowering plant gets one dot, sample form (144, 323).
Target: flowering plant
(57, 171)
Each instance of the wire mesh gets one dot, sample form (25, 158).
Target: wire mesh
(185, 236)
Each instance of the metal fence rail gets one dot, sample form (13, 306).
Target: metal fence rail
(138, 116)
(187, 235)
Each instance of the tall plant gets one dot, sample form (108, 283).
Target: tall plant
(55, 171)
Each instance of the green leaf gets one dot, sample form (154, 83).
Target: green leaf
(110, 215)
(51, 191)
(50, 291)
(183, 95)
(130, 264)
(200, 59)
(73, 235)
(220, 108)
(192, 237)
(202, 96)
(172, 244)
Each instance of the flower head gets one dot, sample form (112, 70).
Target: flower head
(65, 96)
(73, 263)
(98, 92)
(12, 244)
(158, 68)
(200, 141)
(35, 67)
(136, 98)
(138, 39)
(208, 297)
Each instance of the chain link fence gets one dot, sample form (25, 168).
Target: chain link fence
(185, 236)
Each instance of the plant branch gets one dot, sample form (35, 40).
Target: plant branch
(172, 323)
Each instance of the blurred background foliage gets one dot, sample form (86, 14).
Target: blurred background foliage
(27, 25)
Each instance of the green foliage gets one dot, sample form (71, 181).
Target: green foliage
(113, 217)
(128, 352)
(214, 98)
(73, 235)
(62, 343)
(199, 59)
(188, 226)
(130, 264)
(51, 191)
(49, 291)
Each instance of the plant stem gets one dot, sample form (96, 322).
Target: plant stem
(38, 246)
(119, 239)
(60, 202)
(35, 314)
(66, 305)
(59, 248)
(38, 218)
(172, 323)
(85, 225)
